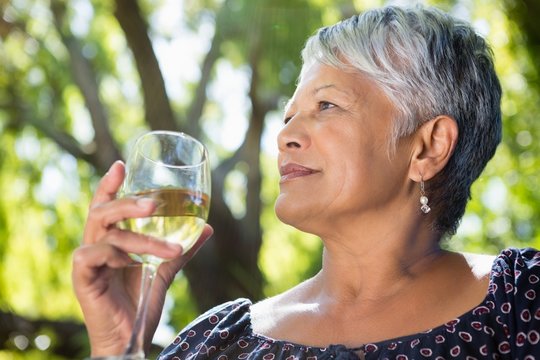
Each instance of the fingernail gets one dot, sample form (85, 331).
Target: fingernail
(145, 203)
(112, 166)
(173, 246)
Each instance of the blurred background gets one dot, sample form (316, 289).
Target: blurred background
(79, 79)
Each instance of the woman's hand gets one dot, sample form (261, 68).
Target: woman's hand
(106, 280)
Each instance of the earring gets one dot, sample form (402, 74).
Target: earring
(423, 198)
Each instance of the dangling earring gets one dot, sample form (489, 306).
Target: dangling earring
(423, 198)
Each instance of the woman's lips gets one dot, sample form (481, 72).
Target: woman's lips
(291, 171)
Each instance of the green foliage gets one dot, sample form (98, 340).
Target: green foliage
(46, 191)
(42, 230)
(505, 206)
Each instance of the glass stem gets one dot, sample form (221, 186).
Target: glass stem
(135, 348)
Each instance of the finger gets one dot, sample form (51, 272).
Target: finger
(112, 252)
(87, 260)
(130, 242)
(168, 270)
(109, 184)
(102, 216)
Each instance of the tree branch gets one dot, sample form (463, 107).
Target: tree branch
(199, 100)
(251, 220)
(65, 141)
(6, 27)
(20, 114)
(158, 110)
(85, 78)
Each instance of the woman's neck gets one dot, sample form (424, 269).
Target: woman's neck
(373, 263)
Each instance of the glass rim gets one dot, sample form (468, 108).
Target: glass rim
(204, 157)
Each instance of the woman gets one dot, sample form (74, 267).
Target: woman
(396, 113)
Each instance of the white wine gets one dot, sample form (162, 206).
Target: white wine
(179, 218)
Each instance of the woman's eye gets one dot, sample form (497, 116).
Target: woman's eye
(325, 105)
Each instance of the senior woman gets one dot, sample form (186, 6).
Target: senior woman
(396, 113)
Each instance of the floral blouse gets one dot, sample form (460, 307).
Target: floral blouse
(506, 325)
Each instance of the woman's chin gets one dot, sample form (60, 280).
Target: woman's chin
(286, 212)
(282, 212)
(295, 216)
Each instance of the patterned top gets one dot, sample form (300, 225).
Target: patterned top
(506, 325)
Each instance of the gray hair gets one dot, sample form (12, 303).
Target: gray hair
(427, 63)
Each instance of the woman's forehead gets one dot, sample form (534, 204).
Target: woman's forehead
(320, 78)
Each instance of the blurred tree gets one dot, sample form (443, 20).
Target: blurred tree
(78, 79)
(65, 63)
(505, 210)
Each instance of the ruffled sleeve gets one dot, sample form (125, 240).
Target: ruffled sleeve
(211, 332)
(519, 308)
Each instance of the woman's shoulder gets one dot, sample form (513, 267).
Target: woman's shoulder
(510, 262)
(520, 258)
(480, 265)
(517, 271)
(226, 332)
(227, 314)
(282, 308)
(238, 305)
(222, 323)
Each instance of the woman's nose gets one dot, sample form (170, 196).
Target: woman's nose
(293, 135)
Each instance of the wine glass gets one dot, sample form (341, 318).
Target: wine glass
(172, 169)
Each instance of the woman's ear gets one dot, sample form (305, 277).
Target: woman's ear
(434, 144)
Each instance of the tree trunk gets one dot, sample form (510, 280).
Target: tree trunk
(158, 111)
(525, 14)
(226, 267)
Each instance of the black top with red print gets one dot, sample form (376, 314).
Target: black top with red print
(506, 325)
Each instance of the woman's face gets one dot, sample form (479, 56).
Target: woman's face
(334, 154)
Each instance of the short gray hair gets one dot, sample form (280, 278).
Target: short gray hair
(428, 63)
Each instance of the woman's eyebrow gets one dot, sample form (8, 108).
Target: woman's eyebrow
(290, 101)
(331, 86)
(322, 87)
